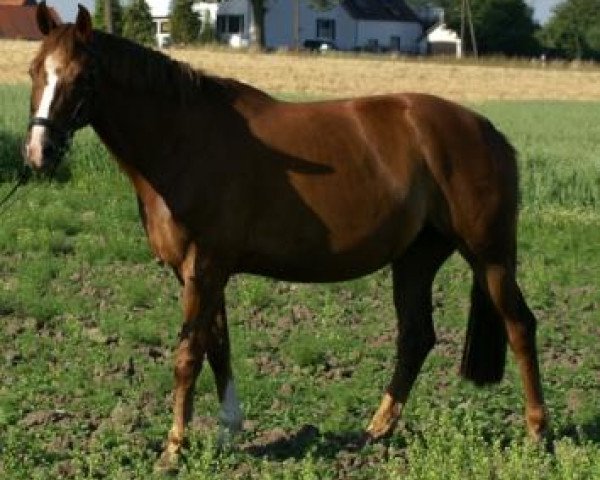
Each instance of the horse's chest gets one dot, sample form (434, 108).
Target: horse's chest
(167, 238)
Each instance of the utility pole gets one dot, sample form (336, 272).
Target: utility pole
(296, 26)
(108, 17)
(466, 15)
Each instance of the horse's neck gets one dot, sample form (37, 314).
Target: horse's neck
(134, 127)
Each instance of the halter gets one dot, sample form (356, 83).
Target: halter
(75, 121)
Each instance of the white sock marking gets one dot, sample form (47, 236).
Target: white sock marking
(231, 415)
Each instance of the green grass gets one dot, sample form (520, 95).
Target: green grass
(88, 321)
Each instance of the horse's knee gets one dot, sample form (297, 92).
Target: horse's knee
(186, 368)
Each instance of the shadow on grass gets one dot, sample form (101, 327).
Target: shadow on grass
(11, 160)
(280, 446)
(307, 439)
(586, 432)
(10, 156)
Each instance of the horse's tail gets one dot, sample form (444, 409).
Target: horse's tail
(484, 354)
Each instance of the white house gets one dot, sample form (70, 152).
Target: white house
(232, 19)
(352, 25)
(443, 41)
(160, 10)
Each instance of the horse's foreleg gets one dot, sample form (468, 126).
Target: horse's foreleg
(218, 353)
(413, 276)
(202, 299)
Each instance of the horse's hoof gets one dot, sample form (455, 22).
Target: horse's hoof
(226, 440)
(538, 427)
(167, 464)
(385, 419)
(543, 439)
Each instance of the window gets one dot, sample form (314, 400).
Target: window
(395, 43)
(372, 44)
(228, 24)
(236, 23)
(165, 27)
(326, 28)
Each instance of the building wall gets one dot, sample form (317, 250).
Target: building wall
(279, 21)
(382, 32)
(350, 34)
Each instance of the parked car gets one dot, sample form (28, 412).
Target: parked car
(319, 45)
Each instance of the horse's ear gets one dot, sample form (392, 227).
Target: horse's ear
(83, 23)
(45, 21)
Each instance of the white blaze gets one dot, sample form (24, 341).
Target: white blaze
(36, 140)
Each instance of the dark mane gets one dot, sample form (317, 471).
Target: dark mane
(142, 69)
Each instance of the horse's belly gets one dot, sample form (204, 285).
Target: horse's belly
(328, 256)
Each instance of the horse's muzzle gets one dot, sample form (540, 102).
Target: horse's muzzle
(43, 151)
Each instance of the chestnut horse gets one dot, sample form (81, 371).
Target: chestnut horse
(230, 180)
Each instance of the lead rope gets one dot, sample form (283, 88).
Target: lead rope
(23, 178)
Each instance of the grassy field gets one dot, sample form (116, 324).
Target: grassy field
(88, 322)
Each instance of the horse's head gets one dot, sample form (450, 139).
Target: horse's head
(62, 87)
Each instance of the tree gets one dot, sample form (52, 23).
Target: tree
(208, 33)
(185, 24)
(117, 16)
(574, 30)
(505, 26)
(501, 26)
(258, 23)
(138, 24)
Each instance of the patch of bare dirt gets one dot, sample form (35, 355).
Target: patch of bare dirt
(334, 369)
(95, 335)
(384, 339)
(268, 364)
(66, 469)
(125, 369)
(449, 342)
(349, 451)
(44, 417)
(347, 462)
(279, 443)
(157, 353)
(123, 418)
(203, 423)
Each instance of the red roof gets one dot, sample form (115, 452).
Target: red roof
(17, 20)
(18, 3)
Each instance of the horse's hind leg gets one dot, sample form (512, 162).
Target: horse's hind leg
(413, 276)
(497, 278)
